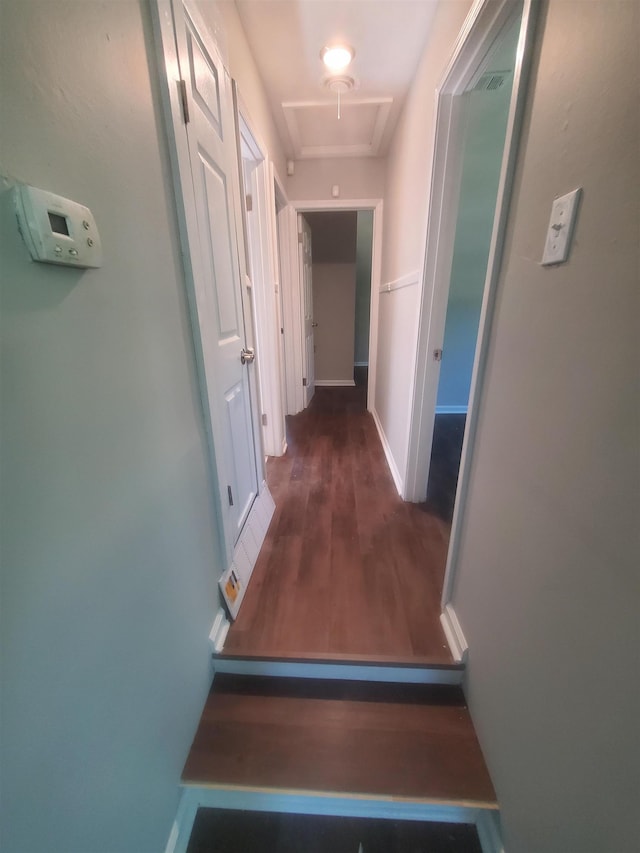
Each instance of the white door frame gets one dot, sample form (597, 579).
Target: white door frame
(293, 300)
(485, 23)
(262, 249)
(281, 203)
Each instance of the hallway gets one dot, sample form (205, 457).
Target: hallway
(348, 570)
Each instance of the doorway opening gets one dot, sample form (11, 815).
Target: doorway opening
(341, 252)
(483, 110)
(359, 343)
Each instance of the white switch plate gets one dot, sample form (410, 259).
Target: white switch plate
(563, 217)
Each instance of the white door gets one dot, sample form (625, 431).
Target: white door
(306, 280)
(216, 252)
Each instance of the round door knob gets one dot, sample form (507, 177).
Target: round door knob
(247, 355)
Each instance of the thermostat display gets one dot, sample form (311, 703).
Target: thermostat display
(58, 224)
(56, 229)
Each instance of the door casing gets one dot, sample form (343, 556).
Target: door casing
(485, 23)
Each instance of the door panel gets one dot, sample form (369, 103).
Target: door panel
(218, 277)
(306, 279)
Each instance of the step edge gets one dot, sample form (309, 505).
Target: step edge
(347, 660)
(391, 673)
(445, 802)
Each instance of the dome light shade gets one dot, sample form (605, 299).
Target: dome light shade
(337, 57)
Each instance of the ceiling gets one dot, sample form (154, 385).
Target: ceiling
(286, 37)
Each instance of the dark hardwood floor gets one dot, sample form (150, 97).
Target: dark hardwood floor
(225, 831)
(348, 570)
(448, 433)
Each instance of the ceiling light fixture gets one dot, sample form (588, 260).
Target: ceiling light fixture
(337, 56)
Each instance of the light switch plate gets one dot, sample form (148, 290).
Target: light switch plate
(561, 224)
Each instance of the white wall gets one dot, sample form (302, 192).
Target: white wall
(364, 239)
(547, 589)
(109, 560)
(406, 200)
(334, 300)
(356, 177)
(224, 21)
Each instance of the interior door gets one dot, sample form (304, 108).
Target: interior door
(306, 279)
(217, 257)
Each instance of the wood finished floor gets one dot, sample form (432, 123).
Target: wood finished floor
(348, 570)
(221, 831)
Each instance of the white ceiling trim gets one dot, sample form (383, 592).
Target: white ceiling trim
(291, 110)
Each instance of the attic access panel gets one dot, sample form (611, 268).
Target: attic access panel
(316, 131)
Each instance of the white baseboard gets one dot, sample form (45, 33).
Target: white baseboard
(219, 631)
(183, 824)
(453, 632)
(397, 479)
(488, 829)
(335, 383)
(452, 410)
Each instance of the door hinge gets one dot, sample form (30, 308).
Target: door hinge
(264, 419)
(437, 355)
(299, 236)
(304, 382)
(184, 103)
(249, 203)
(230, 493)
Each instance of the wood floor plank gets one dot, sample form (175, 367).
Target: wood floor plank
(348, 570)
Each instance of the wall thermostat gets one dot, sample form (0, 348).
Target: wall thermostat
(56, 229)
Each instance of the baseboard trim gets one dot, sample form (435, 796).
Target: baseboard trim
(183, 824)
(453, 632)
(488, 829)
(397, 479)
(219, 631)
(335, 383)
(452, 410)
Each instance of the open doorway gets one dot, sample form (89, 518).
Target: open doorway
(341, 250)
(483, 114)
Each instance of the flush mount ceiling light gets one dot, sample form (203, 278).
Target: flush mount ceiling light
(337, 56)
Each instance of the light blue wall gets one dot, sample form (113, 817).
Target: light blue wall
(364, 240)
(109, 560)
(487, 117)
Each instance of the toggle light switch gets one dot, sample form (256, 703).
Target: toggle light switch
(561, 224)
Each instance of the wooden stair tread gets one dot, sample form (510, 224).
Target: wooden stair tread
(413, 742)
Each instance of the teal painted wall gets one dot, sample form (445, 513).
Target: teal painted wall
(486, 114)
(364, 239)
(109, 560)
